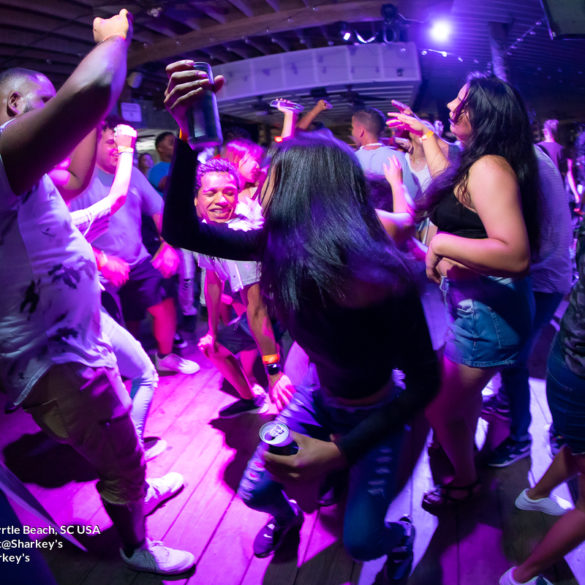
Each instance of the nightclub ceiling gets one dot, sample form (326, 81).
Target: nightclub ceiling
(52, 35)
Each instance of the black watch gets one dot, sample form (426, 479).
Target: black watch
(273, 369)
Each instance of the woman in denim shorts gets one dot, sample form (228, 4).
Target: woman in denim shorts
(485, 211)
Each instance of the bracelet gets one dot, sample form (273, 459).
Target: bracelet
(272, 358)
(427, 135)
(183, 136)
(122, 149)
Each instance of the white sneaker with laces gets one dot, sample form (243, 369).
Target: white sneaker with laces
(508, 579)
(175, 363)
(153, 447)
(155, 557)
(160, 489)
(550, 506)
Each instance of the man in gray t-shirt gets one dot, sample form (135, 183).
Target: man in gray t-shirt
(137, 281)
(366, 128)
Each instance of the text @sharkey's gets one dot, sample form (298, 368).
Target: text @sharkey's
(13, 550)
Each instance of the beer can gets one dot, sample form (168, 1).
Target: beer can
(278, 438)
(204, 125)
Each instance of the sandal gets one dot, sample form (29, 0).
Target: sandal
(443, 495)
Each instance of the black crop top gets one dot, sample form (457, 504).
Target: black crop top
(451, 216)
(353, 349)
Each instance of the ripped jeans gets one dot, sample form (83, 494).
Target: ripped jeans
(372, 479)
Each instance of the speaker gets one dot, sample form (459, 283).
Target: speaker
(565, 18)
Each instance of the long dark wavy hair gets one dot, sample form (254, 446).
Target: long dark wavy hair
(322, 233)
(499, 126)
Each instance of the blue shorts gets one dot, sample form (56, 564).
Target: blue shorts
(491, 319)
(565, 392)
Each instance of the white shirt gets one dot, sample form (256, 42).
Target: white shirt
(49, 290)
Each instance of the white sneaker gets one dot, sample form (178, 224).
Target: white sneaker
(160, 489)
(153, 447)
(175, 363)
(507, 579)
(155, 557)
(550, 506)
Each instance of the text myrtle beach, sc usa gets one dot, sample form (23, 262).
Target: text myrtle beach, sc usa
(13, 549)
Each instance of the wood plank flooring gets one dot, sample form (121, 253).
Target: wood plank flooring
(472, 545)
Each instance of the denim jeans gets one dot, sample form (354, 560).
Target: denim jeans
(371, 482)
(133, 363)
(565, 393)
(515, 385)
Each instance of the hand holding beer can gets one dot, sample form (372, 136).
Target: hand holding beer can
(278, 438)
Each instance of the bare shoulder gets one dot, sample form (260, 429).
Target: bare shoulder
(490, 164)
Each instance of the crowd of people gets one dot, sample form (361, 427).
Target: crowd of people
(348, 250)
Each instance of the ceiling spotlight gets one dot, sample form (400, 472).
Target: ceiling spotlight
(345, 31)
(441, 30)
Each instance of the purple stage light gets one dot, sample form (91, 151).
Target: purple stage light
(441, 30)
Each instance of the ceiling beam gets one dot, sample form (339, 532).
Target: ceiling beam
(211, 12)
(282, 43)
(285, 20)
(256, 45)
(243, 7)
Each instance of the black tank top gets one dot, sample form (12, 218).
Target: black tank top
(451, 216)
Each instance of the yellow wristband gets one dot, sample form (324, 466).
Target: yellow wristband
(427, 135)
(122, 149)
(182, 136)
(272, 358)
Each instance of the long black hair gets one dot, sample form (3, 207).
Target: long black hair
(322, 233)
(499, 126)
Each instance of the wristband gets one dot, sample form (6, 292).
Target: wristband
(183, 136)
(272, 358)
(122, 149)
(427, 135)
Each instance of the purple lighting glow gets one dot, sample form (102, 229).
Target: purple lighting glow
(441, 30)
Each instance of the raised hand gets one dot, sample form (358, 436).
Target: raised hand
(125, 136)
(119, 25)
(185, 88)
(393, 171)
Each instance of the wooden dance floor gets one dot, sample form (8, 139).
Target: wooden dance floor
(471, 545)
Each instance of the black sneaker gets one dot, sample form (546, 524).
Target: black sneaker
(271, 536)
(244, 406)
(509, 452)
(179, 341)
(495, 405)
(399, 562)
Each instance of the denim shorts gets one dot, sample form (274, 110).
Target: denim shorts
(565, 393)
(491, 319)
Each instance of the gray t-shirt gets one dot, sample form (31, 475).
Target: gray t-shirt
(372, 161)
(123, 238)
(553, 270)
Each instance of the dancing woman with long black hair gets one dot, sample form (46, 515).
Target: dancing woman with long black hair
(486, 207)
(346, 295)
